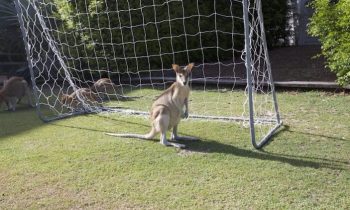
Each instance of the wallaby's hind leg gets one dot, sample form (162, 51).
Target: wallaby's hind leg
(165, 142)
(12, 103)
(161, 124)
(175, 137)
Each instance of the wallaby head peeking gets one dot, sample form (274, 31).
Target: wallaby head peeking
(182, 74)
(168, 109)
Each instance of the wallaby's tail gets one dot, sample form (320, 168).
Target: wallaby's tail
(150, 135)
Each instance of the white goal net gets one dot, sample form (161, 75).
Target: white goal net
(116, 56)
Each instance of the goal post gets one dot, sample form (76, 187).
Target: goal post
(250, 85)
(72, 45)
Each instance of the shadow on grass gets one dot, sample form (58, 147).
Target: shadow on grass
(214, 146)
(19, 121)
(119, 121)
(287, 129)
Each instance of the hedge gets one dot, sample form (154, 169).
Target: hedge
(84, 44)
(331, 24)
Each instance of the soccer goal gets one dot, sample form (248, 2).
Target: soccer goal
(73, 45)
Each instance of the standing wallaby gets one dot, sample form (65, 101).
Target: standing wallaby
(168, 109)
(14, 89)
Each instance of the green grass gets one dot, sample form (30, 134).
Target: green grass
(71, 163)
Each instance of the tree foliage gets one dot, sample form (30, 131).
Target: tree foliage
(275, 20)
(111, 35)
(11, 42)
(331, 24)
(128, 43)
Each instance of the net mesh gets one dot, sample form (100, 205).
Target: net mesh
(131, 45)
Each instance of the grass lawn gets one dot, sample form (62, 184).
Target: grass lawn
(71, 163)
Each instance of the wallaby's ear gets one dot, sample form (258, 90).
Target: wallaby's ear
(189, 67)
(176, 68)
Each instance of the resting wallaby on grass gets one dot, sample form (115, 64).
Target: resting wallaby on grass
(168, 109)
(106, 86)
(73, 101)
(14, 89)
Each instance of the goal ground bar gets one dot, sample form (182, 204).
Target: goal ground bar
(218, 118)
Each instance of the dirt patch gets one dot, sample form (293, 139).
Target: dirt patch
(185, 153)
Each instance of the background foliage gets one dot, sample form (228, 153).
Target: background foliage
(275, 20)
(11, 44)
(331, 24)
(125, 45)
(84, 43)
(78, 17)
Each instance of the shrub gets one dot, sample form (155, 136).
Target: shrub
(275, 20)
(330, 23)
(80, 16)
(11, 42)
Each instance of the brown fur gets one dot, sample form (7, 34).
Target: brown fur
(167, 109)
(73, 101)
(104, 85)
(174, 99)
(13, 90)
(105, 88)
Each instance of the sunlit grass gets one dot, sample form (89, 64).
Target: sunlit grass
(71, 163)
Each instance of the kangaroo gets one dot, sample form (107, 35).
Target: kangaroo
(14, 89)
(168, 109)
(105, 87)
(72, 100)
